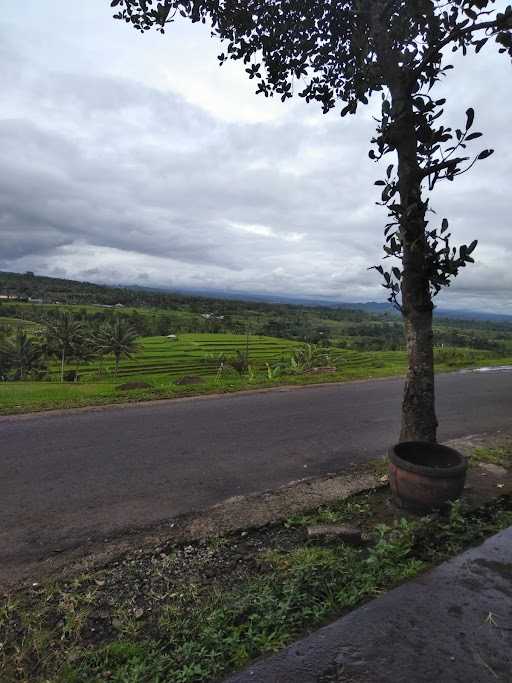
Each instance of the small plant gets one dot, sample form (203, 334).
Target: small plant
(239, 362)
(219, 361)
(273, 372)
(307, 357)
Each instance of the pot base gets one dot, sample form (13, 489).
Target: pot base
(425, 476)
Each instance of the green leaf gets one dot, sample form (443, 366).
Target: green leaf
(470, 117)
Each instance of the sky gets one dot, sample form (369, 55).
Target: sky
(129, 159)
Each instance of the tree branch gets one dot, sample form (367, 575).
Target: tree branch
(436, 168)
(454, 35)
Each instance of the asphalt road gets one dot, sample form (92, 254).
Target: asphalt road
(71, 477)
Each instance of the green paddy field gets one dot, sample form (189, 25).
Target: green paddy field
(160, 362)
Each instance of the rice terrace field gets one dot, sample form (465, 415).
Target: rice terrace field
(192, 354)
(161, 362)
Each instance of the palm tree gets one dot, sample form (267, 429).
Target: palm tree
(118, 338)
(22, 354)
(85, 348)
(64, 337)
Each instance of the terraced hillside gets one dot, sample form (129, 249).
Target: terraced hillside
(190, 354)
(197, 354)
(14, 323)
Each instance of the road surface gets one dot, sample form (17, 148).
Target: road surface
(67, 478)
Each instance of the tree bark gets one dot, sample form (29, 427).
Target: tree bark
(419, 422)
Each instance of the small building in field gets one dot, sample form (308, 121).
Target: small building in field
(212, 316)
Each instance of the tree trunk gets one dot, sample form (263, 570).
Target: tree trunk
(418, 408)
(62, 365)
(419, 421)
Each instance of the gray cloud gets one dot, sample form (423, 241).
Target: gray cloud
(117, 175)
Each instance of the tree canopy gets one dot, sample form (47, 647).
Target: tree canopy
(336, 48)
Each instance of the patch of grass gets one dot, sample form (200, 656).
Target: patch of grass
(380, 466)
(500, 455)
(191, 614)
(358, 508)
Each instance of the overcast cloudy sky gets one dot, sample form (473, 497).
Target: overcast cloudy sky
(135, 159)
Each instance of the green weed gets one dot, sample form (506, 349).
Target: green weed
(501, 456)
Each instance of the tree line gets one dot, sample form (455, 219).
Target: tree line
(24, 355)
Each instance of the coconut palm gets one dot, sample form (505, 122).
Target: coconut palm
(21, 354)
(118, 338)
(64, 338)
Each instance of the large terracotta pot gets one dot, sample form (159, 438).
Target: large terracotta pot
(425, 476)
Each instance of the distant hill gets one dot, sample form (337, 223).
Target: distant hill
(51, 290)
(376, 307)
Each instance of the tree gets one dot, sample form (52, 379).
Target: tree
(5, 355)
(64, 337)
(116, 337)
(84, 349)
(345, 51)
(21, 354)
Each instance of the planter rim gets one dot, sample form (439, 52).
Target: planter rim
(424, 470)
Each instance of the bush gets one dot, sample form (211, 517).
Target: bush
(130, 386)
